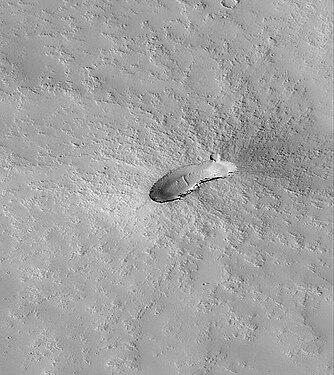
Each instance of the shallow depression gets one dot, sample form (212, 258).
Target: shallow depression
(229, 3)
(182, 181)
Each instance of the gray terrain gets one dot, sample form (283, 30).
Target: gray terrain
(101, 98)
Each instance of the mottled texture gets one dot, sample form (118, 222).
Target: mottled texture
(100, 97)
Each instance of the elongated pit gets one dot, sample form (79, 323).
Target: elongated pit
(182, 181)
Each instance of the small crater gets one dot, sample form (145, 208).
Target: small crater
(229, 3)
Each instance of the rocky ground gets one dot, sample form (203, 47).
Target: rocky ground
(101, 98)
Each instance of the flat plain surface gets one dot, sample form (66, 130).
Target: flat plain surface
(101, 98)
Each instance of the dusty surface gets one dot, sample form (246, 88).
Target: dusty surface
(101, 98)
